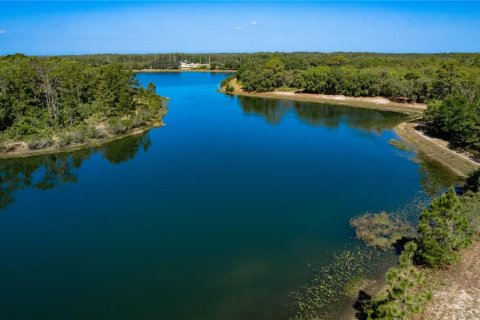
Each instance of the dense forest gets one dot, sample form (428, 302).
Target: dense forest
(448, 83)
(60, 101)
(223, 61)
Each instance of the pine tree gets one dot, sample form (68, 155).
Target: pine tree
(443, 231)
(405, 294)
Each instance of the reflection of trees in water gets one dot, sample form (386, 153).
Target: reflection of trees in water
(49, 171)
(272, 110)
(126, 149)
(317, 114)
(434, 178)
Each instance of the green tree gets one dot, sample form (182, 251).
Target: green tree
(406, 292)
(443, 231)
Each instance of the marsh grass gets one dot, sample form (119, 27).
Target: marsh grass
(325, 295)
(381, 230)
(400, 145)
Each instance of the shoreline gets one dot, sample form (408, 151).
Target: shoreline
(377, 103)
(26, 153)
(435, 149)
(182, 70)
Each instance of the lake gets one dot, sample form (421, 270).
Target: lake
(221, 214)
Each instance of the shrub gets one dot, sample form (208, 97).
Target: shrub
(473, 182)
(229, 88)
(443, 230)
(36, 144)
(470, 208)
(381, 230)
(92, 132)
(64, 140)
(78, 136)
(116, 126)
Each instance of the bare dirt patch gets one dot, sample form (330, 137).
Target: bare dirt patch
(456, 293)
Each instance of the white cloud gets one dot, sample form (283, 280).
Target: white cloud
(3, 31)
(237, 28)
(253, 22)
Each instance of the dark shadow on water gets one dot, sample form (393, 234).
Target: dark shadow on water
(49, 171)
(360, 304)
(400, 244)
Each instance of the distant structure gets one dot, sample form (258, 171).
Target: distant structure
(190, 65)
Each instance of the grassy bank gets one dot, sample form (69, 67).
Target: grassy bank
(21, 149)
(437, 150)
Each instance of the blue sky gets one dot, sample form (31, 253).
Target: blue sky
(68, 27)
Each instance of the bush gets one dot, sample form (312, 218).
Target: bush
(229, 88)
(37, 144)
(443, 230)
(116, 126)
(64, 140)
(381, 230)
(78, 136)
(92, 132)
(473, 182)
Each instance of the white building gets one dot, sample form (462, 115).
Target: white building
(190, 65)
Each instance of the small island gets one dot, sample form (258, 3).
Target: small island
(52, 104)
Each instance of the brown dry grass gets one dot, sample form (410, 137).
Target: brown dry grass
(456, 290)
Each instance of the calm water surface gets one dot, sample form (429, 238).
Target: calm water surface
(217, 215)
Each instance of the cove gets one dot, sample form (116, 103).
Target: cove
(217, 215)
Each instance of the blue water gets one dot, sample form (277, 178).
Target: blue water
(214, 216)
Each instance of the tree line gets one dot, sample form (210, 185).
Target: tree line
(448, 83)
(223, 61)
(59, 100)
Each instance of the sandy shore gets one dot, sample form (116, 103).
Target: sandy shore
(435, 149)
(377, 103)
(456, 290)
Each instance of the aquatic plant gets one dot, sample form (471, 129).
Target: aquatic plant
(326, 288)
(400, 145)
(381, 230)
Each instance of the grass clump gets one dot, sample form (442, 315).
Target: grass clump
(36, 144)
(381, 230)
(355, 284)
(116, 126)
(400, 145)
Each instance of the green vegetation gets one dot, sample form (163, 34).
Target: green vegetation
(444, 230)
(222, 61)
(381, 230)
(473, 182)
(400, 145)
(448, 226)
(354, 285)
(449, 83)
(456, 119)
(330, 283)
(58, 101)
(406, 291)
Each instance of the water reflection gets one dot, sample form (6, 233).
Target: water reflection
(434, 178)
(316, 114)
(49, 171)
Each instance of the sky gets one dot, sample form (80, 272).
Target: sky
(69, 27)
